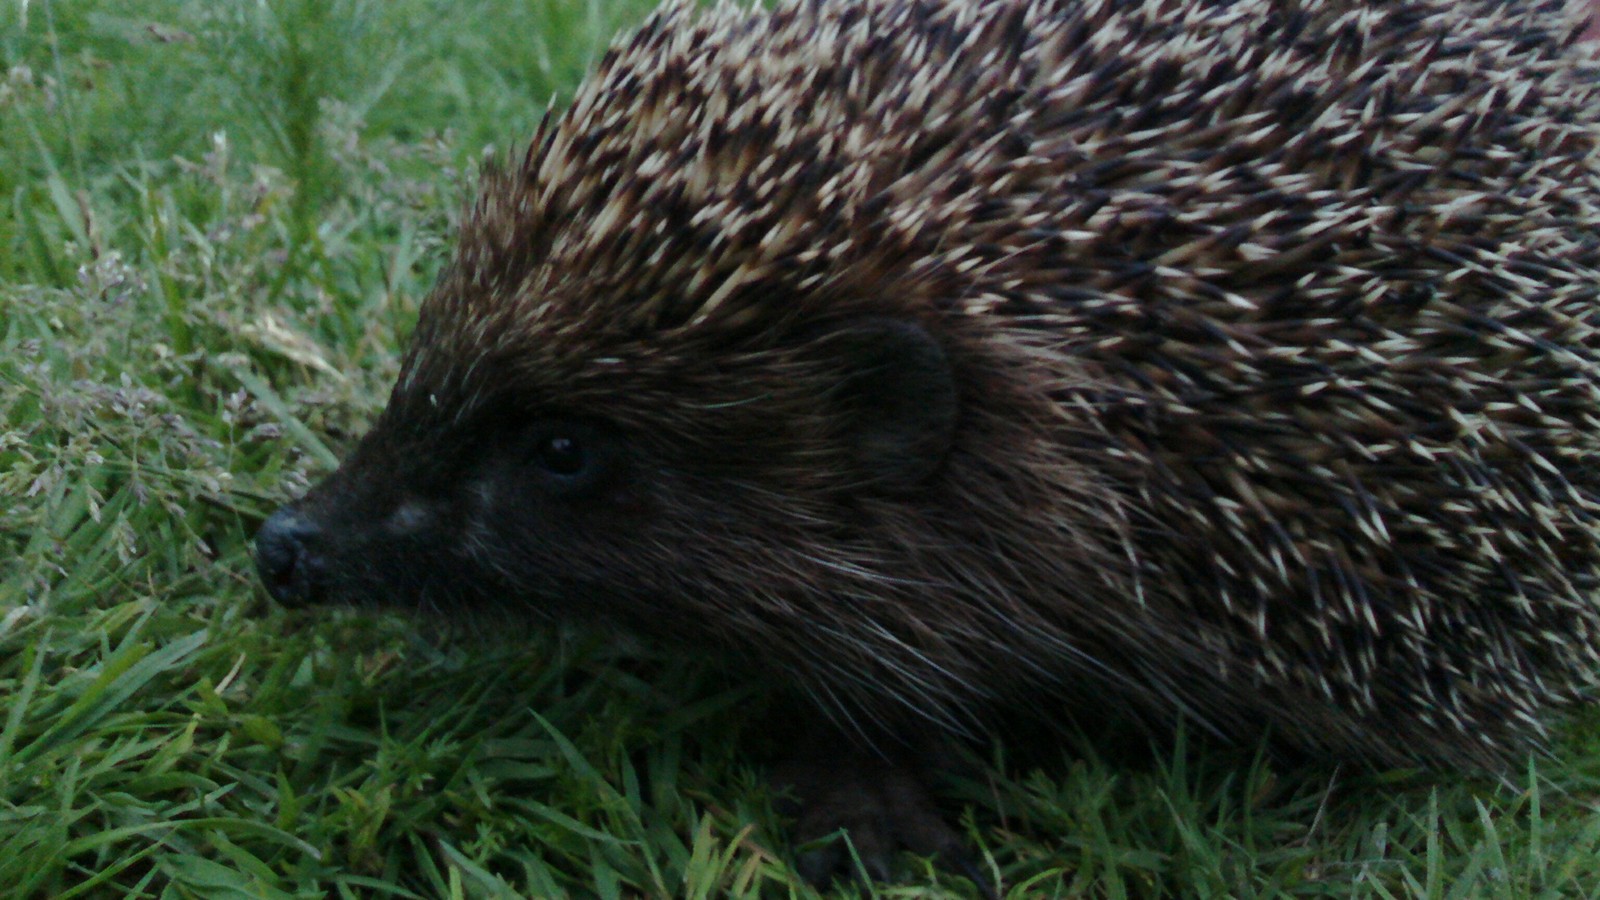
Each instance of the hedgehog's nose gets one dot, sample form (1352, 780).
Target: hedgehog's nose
(289, 558)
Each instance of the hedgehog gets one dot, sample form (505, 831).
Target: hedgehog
(1226, 362)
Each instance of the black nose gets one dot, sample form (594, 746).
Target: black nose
(289, 558)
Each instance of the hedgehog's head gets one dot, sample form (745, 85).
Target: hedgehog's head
(650, 370)
(582, 467)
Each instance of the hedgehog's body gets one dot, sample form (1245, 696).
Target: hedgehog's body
(1231, 360)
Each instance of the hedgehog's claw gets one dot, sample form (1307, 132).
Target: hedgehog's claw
(854, 814)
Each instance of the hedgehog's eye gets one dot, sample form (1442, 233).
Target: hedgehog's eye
(568, 458)
(562, 454)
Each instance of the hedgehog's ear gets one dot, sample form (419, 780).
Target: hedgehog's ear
(895, 397)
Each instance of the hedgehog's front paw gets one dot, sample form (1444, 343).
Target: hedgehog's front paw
(856, 809)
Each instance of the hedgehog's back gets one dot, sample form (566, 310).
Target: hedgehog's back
(1346, 321)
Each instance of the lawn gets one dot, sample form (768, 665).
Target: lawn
(216, 223)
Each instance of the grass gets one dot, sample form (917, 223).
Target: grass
(217, 222)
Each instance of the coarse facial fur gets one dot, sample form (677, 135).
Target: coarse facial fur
(1233, 360)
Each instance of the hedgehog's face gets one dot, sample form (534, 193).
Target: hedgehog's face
(577, 514)
(448, 519)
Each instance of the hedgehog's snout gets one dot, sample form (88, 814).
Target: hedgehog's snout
(289, 557)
